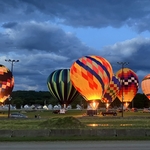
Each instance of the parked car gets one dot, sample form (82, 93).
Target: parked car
(146, 110)
(56, 111)
(134, 110)
(109, 112)
(17, 115)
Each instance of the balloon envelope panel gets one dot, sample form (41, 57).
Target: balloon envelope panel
(129, 84)
(60, 86)
(91, 76)
(6, 83)
(145, 85)
(112, 90)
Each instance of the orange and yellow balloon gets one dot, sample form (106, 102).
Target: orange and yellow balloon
(129, 84)
(6, 83)
(145, 85)
(91, 75)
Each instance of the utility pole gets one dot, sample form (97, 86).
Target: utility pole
(122, 67)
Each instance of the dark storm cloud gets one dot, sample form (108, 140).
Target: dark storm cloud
(5, 43)
(77, 13)
(9, 25)
(45, 37)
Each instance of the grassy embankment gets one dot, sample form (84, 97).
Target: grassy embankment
(48, 120)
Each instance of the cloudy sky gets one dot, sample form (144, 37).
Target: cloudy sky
(45, 35)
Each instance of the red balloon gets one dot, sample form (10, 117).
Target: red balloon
(129, 84)
(6, 83)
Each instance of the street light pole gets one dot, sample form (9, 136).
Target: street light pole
(122, 64)
(12, 64)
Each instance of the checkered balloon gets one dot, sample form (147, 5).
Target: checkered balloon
(91, 75)
(112, 90)
(129, 84)
(6, 83)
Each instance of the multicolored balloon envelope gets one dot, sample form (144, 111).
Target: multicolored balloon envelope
(60, 86)
(91, 76)
(129, 84)
(112, 90)
(145, 85)
(6, 83)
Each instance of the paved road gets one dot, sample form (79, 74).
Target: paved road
(91, 145)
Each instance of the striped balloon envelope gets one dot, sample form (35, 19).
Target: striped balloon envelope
(112, 90)
(129, 84)
(61, 88)
(91, 76)
(145, 86)
(6, 83)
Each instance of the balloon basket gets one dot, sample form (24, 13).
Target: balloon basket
(91, 112)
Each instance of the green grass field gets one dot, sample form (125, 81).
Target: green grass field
(129, 120)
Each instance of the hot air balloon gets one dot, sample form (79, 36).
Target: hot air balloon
(145, 85)
(91, 75)
(129, 84)
(6, 83)
(112, 91)
(61, 88)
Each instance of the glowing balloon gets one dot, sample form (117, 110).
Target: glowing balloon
(60, 86)
(112, 90)
(91, 75)
(129, 84)
(145, 85)
(6, 83)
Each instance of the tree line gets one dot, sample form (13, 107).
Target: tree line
(21, 98)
